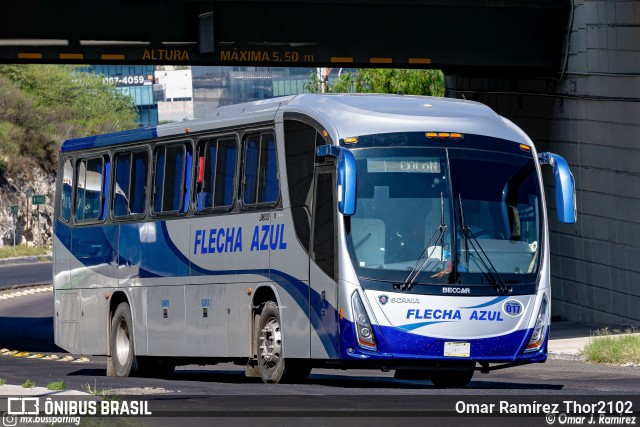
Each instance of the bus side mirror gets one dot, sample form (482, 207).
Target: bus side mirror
(346, 176)
(565, 187)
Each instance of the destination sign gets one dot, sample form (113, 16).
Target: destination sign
(397, 164)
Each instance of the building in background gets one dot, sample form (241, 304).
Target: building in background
(174, 93)
(217, 86)
(136, 81)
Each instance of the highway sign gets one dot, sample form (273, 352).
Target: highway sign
(38, 199)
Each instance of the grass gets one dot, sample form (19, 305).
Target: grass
(28, 384)
(57, 385)
(3, 381)
(24, 250)
(613, 349)
(105, 393)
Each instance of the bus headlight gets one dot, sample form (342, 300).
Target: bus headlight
(540, 329)
(363, 325)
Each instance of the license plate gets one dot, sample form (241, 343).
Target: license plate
(457, 349)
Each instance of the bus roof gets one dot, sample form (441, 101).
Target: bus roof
(344, 115)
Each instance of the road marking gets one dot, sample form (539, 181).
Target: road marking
(21, 292)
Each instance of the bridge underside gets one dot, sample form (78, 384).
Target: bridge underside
(507, 54)
(488, 37)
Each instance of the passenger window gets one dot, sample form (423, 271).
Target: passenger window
(216, 174)
(89, 193)
(130, 193)
(260, 170)
(67, 189)
(169, 178)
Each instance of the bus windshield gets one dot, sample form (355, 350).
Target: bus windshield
(404, 194)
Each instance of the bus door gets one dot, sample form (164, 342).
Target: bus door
(323, 266)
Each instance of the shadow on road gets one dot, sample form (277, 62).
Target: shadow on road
(32, 334)
(325, 380)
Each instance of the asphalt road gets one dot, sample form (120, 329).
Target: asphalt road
(26, 324)
(25, 274)
(328, 397)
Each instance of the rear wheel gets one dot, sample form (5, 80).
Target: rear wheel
(122, 350)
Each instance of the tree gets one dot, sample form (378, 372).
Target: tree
(383, 80)
(43, 105)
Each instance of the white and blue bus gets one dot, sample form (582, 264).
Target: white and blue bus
(337, 231)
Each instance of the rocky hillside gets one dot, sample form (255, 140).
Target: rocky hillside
(40, 107)
(13, 192)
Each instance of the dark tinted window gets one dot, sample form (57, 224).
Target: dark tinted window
(323, 232)
(169, 178)
(131, 179)
(300, 144)
(260, 170)
(216, 173)
(67, 189)
(89, 192)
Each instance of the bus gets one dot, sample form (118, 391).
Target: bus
(388, 232)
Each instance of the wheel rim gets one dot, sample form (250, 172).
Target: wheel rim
(270, 345)
(122, 343)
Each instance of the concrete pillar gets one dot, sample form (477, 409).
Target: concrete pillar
(590, 115)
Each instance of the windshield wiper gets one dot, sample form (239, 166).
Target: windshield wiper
(415, 271)
(489, 271)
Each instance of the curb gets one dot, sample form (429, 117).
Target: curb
(24, 290)
(566, 356)
(42, 356)
(24, 259)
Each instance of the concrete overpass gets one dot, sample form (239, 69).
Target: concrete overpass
(567, 72)
(446, 34)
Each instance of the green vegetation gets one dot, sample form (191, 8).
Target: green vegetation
(383, 80)
(24, 250)
(57, 385)
(43, 105)
(3, 381)
(28, 384)
(620, 349)
(105, 393)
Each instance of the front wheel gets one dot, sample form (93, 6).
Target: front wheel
(122, 349)
(271, 362)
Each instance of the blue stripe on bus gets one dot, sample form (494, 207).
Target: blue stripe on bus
(109, 139)
(167, 260)
(487, 304)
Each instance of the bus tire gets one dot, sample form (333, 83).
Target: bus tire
(452, 379)
(271, 362)
(121, 345)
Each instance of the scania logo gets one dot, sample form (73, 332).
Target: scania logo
(383, 299)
